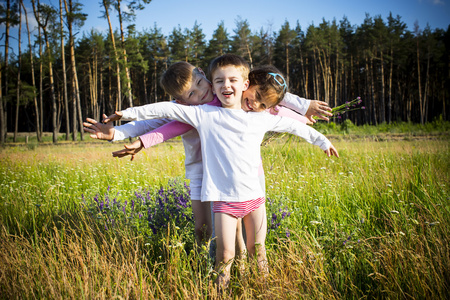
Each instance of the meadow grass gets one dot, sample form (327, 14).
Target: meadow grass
(74, 223)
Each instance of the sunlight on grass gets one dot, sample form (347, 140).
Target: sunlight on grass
(75, 223)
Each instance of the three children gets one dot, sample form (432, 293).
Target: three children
(189, 86)
(230, 141)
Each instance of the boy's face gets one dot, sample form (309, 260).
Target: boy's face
(228, 84)
(253, 100)
(200, 91)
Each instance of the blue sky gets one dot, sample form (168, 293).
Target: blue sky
(265, 13)
(168, 14)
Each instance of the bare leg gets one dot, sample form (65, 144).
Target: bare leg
(256, 230)
(202, 217)
(225, 227)
(241, 250)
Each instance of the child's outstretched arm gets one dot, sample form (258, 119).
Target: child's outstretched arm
(331, 151)
(164, 133)
(116, 116)
(287, 112)
(131, 149)
(308, 108)
(319, 109)
(106, 131)
(99, 130)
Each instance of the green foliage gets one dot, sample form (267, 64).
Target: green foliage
(372, 224)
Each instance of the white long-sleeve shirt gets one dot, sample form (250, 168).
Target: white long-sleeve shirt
(230, 144)
(191, 140)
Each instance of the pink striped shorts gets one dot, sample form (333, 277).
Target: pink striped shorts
(238, 209)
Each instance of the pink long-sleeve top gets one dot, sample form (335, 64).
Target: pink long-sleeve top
(176, 128)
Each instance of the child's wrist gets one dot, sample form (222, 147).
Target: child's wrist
(112, 134)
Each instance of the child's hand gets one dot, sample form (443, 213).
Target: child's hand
(114, 117)
(132, 150)
(319, 109)
(99, 130)
(331, 151)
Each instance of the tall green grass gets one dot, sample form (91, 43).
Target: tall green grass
(371, 224)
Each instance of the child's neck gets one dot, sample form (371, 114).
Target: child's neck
(236, 105)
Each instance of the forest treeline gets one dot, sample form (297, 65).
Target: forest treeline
(62, 73)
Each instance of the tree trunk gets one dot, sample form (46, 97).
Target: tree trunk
(118, 105)
(336, 79)
(306, 80)
(303, 78)
(63, 58)
(250, 58)
(102, 95)
(325, 75)
(75, 88)
(419, 83)
(425, 92)
(41, 72)
(390, 86)
(145, 80)
(41, 83)
(52, 88)
(127, 71)
(18, 77)
(155, 82)
(382, 100)
(38, 136)
(50, 66)
(3, 123)
(74, 111)
(286, 47)
(372, 92)
(316, 78)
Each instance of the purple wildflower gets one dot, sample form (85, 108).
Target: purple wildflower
(274, 217)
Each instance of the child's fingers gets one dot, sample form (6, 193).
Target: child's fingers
(333, 151)
(120, 153)
(336, 153)
(321, 116)
(90, 127)
(93, 121)
(311, 120)
(130, 147)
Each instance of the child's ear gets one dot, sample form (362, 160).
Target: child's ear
(246, 84)
(180, 101)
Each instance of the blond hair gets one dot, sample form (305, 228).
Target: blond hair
(229, 60)
(178, 78)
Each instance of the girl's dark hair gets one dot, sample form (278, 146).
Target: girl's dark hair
(270, 81)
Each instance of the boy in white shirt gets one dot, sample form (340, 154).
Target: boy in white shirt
(230, 143)
(189, 86)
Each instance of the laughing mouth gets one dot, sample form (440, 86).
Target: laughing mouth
(248, 104)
